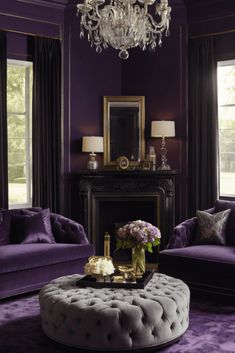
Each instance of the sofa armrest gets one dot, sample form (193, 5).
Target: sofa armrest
(67, 231)
(183, 234)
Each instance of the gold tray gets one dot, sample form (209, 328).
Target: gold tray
(89, 281)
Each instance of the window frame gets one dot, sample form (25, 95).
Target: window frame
(223, 62)
(28, 134)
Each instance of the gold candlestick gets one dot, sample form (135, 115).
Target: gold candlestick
(107, 244)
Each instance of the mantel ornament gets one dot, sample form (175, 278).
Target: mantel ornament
(124, 24)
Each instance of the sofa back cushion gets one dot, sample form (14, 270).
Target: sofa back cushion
(67, 231)
(221, 205)
(32, 228)
(5, 225)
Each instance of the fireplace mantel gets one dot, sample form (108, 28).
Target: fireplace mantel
(108, 194)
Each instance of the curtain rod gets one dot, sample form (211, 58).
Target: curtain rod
(32, 34)
(212, 34)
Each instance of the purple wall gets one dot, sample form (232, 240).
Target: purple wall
(91, 76)
(88, 77)
(161, 78)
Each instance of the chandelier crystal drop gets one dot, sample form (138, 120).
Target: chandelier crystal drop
(124, 24)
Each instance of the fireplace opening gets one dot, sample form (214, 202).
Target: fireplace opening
(112, 210)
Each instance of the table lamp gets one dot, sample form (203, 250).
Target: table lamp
(92, 144)
(163, 129)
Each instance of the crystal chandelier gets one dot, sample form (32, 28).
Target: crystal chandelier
(124, 24)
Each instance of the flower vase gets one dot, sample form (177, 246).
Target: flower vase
(138, 260)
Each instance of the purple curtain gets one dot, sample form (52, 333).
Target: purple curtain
(3, 122)
(202, 125)
(47, 123)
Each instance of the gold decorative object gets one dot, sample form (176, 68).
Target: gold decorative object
(127, 273)
(122, 162)
(107, 245)
(99, 266)
(118, 279)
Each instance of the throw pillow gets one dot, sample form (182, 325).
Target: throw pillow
(211, 227)
(5, 224)
(46, 218)
(34, 228)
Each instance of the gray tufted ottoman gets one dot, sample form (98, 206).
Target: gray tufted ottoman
(115, 319)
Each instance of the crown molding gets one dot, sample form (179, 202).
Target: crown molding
(55, 4)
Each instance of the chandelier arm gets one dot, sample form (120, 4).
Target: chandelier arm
(89, 26)
(158, 27)
(97, 10)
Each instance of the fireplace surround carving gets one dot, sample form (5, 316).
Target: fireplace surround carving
(111, 198)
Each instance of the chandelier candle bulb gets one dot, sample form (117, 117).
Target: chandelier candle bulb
(124, 24)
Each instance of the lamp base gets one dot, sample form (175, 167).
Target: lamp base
(92, 163)
(164, 167)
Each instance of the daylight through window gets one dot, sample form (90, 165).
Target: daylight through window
(19, 115)
(226, 113)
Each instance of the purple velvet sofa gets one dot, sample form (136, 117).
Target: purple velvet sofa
(205, 268)
(28, 266)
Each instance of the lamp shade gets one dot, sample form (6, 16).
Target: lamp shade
(163, 128)
(92, 144)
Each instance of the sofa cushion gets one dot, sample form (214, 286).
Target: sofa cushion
(32, 228)
(214, 253)
(5, 224)
(211, 227)
(17, 257)
(207, 268)
(221, 205)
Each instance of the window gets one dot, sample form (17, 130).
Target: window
(19, 115)
(226, 113)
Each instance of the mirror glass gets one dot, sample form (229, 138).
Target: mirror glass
(123, 129)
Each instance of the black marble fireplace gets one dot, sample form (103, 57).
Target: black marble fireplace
(109, 199)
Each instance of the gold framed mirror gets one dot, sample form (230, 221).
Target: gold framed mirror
(124, 123)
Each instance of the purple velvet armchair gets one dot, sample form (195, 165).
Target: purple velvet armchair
(31, 256)
(205, 268)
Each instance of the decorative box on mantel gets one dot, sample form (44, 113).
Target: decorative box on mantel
(108, 199)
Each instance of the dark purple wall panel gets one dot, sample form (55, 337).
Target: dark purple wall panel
(17, 46)
(161, 78)
(208, 17)
(47, 13)
(92, 76)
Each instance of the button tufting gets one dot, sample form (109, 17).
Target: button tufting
(152, 308)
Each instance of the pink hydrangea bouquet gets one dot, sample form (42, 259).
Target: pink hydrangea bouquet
(138, 233)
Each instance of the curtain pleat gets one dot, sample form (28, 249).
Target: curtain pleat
(202, 126)
(47, 123)
(3, 122)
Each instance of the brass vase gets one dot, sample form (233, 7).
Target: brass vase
(138, 260)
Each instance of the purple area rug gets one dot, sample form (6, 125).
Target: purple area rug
(211, 330)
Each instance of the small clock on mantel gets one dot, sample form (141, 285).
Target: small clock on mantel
(122, 162)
